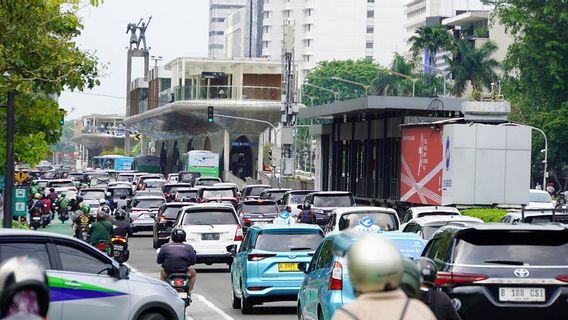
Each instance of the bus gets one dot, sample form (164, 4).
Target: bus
(204, 163)
(148, 164)
(114, 162)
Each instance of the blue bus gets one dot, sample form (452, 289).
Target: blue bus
(114, 162)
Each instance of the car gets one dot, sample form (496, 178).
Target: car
(92, 196)
(148, 193)
(126, 176)
(142, 212)
(101, 181)
(229, 185)
(418, 212)
(322, 203)
(87, 284)
(210, 228)
(538, 217)
(62, 186)
(498, 270)
(169, 189)
(190, 193)
(327, 285)
(273, 194)
(257, 212)
(253, 191)
(385, 219)
(119, 183)
(164, 220)
(206, 181)
(42, 184)
(267, 266)
(292, 199)
(139, 180)
(148, 184)
(172, 177)
(218, 194)
(428, 225)
(539, 199)
(120, 190)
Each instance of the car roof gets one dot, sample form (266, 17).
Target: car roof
(217, 188)
(434, 219)
(434, 209)
(93, 189)
(179, 204)
(496, 226)
(260, 201)
(257, 186)
(31, 233)
(539, 212)
(293, 226)
(277, 189)
(119, 186)
(208, 178)
(213, 205)
(150, 198)
(340, 211)
(61, 180)
(301, 191)
(331, 192)
(155, 179)
(538, 191)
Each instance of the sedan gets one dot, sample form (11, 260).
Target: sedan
(257, 212)
(143, 211)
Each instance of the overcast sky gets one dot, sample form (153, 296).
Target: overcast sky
(178, 28)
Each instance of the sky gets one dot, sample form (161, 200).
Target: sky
(178, 28)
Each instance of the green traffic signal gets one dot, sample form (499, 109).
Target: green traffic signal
(210, 114)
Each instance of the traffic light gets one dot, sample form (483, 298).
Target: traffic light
(61, 116)
(210, 114)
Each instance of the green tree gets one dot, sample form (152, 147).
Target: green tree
(39, 59)
(476, 65)
(430, 39)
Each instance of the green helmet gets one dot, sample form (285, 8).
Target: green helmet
(86, 208)
(35, 183)
(63, 195)
(410, 282)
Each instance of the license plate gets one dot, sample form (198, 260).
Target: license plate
(117, 247)
(209, 236)
(288, 267)
(182, 295)
(522, 294)
(260, 223)
(36, 218)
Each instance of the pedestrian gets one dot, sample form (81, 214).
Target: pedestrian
(538, 186)
(438, 301)
(550, 188)
(375, 268)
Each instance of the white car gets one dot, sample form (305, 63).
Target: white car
(172, 177)
(426, 226)
(538, 217)
(210, 228)
(293, 199)
(375, 219)
(206, 181)
(539, 199)
(143, 211)
(62, 186)
(419, 212)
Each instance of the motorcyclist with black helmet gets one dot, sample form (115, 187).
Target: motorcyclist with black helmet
(438, 301)
(178, 257)
(122, 227)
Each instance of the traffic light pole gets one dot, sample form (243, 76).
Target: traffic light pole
(9, 165)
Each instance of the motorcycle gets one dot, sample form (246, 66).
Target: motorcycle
(63, 214)
(45, 219)
(35, 220)
(180, 283)
(120, 249)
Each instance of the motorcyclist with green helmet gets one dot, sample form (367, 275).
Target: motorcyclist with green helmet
(83, 221)
(34, 188)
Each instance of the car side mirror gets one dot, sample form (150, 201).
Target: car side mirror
(301, 206)
(304, 267)
(122, 272)
(169, 223)
(232, 249)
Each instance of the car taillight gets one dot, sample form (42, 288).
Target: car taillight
(257, 288)
(163, 219)
(445, 278)
(238, 233)
(73, 189)
(247, 220)
(336, 279)
(562, 278)
(259, 256)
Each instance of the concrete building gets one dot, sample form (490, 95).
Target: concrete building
(218, 12)
(243, 35)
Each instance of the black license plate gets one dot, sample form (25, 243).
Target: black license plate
(209, 236)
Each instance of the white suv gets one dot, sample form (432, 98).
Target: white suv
(210, 228)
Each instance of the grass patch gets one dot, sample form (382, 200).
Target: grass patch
(485, 214)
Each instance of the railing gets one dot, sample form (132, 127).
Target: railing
(114, 131)
(227, 93)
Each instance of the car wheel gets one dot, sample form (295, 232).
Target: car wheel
(246, 304)
(152, 316)
(236, 301)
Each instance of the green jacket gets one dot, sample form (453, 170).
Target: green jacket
(101, 230)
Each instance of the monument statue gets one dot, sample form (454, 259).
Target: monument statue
(142, 35)
(133, 38)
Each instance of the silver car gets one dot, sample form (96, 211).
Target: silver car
(88, 285)
(143, 211)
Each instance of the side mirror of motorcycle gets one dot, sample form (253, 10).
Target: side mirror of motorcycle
(232, 249)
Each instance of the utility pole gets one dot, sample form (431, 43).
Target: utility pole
(9, 165)
(288, 113)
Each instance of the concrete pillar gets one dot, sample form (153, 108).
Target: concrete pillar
(260, 154)
(226, 151)
(318, 164)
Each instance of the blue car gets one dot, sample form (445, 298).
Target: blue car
(268, 266)
(326, 286)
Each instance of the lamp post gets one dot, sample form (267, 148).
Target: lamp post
(336, 94)
(364, 86)
(402, 75)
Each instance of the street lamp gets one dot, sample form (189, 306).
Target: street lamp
(402, 75)
(336, 94)
(364, 86)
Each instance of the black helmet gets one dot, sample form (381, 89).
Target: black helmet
(120, 214)
(105, 209)
(51, 190)
(428, 270)
(178, 235)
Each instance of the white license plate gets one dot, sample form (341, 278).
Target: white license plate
(36, 218)
(117, 248)
(260, 223)
(182, 295)
(522, 294)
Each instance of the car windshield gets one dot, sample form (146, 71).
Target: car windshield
(125, 178)
(171, 212)
(147, 203)
(149, 193)
(259, 208)
(332, 200)
(207, 182)
(189, 194)
(386, 221)
(523, 248)
(297, 198)
(120, 191)
(276, 195)
(61, 184)
(255, 191)
(219, 193)
(92, 195)
(435, 213)
(155, 184)
(540, 197)
(210, 217)
(546, 219)
(286, 242)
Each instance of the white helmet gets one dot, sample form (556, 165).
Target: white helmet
(375, 264)
(23, 274)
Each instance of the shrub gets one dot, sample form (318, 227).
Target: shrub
(485, 214)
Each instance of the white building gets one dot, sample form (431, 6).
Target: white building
(218, 12)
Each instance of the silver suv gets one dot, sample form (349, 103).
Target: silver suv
(86, 284)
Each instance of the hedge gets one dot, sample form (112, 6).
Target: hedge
(485, 214)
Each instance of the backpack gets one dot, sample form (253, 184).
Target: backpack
(307, 216)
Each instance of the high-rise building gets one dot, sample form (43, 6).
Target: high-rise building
(243, 35)
(218, 12)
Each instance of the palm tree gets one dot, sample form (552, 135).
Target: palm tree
(472, 64)
(431, 39)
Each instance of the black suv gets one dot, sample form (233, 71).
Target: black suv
(164, 221)
(322, 203)
(500, 271)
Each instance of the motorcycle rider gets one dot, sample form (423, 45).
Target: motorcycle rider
(83, 220)
(121, 203)
(376, 268)
(62, 203)
(34, 188)
(437, 300)
(122, 227)
(178, 257)
(104, 206)
(101, 230)
(46, 203)
(307, 215)
(561, 202)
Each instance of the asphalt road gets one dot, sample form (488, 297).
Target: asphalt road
(212, 294)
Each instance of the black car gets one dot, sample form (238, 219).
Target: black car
(170, 189)
(253, 191)
(255, 212)
(274, 194)
(503, 271)
(322, 203)
(164, 221)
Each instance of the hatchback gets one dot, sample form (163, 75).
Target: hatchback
(428, 225)
(327, 286)
(503, 271)
(268, 265)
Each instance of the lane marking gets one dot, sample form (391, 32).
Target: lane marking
(212, 306)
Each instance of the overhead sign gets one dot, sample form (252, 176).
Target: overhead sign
(21, 177)
(19, 206)
(138, 137)
(212, 75)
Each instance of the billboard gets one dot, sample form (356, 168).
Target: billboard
(421, 165)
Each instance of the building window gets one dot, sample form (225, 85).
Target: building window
(370, 14)
(369, 57)
(369, 45)
(217, 19)
(215, 46)
(308, 42)
(307, 58)
(266, 28)
(308, 27)
(308, 12)
(216, 33)
(370, 29)
(265, 44)
(266, 14)
(371, 1)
